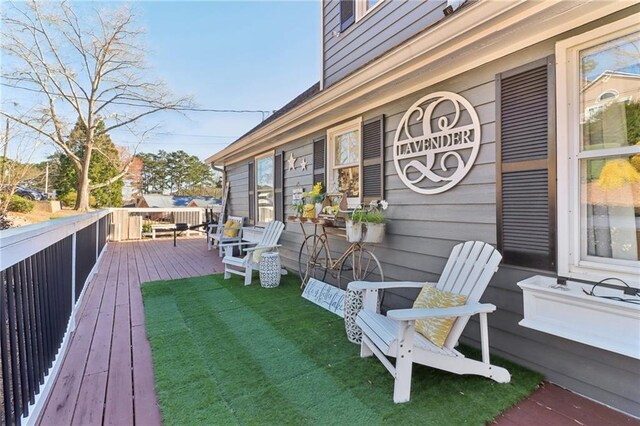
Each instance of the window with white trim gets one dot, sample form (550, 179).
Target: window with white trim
(352, 11)
(343, 171)
(265, 188)
(599, 180)
(365, 6)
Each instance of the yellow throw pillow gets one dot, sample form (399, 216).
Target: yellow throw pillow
(437, 329)
(231, 233)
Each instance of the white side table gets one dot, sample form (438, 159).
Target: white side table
(270, 269)
(353, 304)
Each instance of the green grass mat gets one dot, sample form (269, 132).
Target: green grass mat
(227, 354)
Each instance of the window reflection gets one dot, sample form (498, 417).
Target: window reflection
(264, 189)
(609, 93)
(610, 178)
(346, 148)
(612, 203)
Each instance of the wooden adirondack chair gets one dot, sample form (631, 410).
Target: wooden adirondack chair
(217, 238)
(245, 265)
(468, 271)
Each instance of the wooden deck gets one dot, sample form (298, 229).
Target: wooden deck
(552, 405)
(107, 375)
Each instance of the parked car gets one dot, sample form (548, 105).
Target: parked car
(31, 194)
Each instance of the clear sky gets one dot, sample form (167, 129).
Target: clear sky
(244, 55)
(254, 55)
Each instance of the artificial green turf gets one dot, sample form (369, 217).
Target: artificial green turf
(226, 354)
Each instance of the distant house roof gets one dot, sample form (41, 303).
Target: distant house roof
(166, 201)
(610, 73)
(203, 202)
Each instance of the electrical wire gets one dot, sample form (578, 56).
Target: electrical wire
(192, 109)
(635, 291)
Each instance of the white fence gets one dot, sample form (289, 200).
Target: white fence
(127, 223)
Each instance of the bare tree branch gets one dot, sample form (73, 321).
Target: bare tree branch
(89, 70)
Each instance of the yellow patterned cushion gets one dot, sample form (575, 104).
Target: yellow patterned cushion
(231, 233)
(437, 329)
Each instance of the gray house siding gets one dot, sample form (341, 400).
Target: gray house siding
(383, 28)
(238, 177)
(423, 229)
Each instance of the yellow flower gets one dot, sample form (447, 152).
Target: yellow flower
(616, 173)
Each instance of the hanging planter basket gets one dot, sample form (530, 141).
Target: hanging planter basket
(365, 232)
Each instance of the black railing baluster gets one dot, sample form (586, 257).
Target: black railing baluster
(57, 295)
(37, 301)
(34, 367)
(16, 401)
(68, 277)
(22, 338)
(35, 269)
(5, 348)
(46, 303)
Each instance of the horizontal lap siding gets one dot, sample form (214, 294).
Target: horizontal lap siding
(383, 28)
(238, 177)
(422, 230)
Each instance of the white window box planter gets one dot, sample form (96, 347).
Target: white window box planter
(567, 312)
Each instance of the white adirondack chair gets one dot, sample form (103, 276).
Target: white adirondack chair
(245, 265)
(468, 271)
(216, 237)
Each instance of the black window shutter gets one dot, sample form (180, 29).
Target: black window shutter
(252, 194)
(526, 165)
(319, 150)
(372, 161)
(278, 184)
(347, 13)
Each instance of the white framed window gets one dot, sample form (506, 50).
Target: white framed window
(344, 146)
(265, 188)
(599, 153)
(365, 6)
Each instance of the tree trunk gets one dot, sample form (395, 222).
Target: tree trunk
(82, 198)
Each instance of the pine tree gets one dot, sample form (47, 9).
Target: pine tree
(105, 164)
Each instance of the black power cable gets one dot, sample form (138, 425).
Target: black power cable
(627, 289)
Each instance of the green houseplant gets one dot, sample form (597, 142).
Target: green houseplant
(366, 224)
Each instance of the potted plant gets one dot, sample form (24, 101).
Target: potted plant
(298, 208)
(366, 224)
(314, 199)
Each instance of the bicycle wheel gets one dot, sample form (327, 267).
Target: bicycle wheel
(360, 265)
(313, 259)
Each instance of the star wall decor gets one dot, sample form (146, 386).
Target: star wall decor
(303, 164)
(292, 162)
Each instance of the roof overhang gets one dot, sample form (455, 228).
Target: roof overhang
(475, 35)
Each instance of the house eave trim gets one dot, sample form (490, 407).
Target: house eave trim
(461, 29)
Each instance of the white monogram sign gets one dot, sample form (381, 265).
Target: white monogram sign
(436, 159)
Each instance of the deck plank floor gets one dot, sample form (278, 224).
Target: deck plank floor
(552, 405)
(107, 374)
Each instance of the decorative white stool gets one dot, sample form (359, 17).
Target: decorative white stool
(352, 305)
(270, 269)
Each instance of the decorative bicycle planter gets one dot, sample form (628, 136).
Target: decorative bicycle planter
(357, 263)
(365, 232)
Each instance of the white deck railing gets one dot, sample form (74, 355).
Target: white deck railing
(44, 269)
